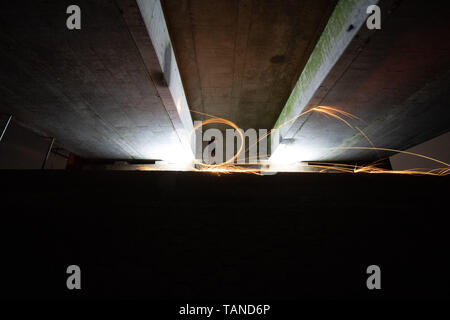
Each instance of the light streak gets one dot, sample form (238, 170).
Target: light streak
(230, 123)
(367, 138)
(394, 150)
(229, 167)
(326, 110)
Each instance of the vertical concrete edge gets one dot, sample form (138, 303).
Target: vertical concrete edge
(165, 73)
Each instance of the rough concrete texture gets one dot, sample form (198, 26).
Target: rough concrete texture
(89, 88)
(437, 148)
(346, 19)
(163, 61)
(395, 79)
(239, 59)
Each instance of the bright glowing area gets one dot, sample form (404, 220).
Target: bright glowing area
(283, 155)
(174, 166)
(288, 167)
(183, 160)
(164, 166)
(287, 154)
(292, 157)
(176, 159)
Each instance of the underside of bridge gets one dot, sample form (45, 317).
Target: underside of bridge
(129, 84)
(259, 90)
(123, 86)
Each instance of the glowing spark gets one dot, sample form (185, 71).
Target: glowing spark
(394, 150)
(229, 167)
(223, 121)
(333, 112)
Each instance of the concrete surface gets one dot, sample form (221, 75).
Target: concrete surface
(437, 148)
(160, 59)
(239, 59)
(88, 88)
(113, 90)
(395, 79)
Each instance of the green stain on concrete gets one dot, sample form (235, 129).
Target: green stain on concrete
(337, 23)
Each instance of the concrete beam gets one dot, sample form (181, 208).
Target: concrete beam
(88, 88)
(395, 80)
(344, 23)
(159, 59)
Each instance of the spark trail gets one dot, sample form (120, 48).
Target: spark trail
(229, 167)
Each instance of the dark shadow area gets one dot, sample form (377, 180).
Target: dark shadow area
(167, 63)
(169, 235)
(22, 148)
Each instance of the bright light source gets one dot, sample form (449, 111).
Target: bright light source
(178, 158)
(283, 154)
(288, 154)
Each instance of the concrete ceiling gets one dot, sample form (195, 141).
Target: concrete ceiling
(239, 59)
(395, 80)
(89, 88)
(114, 89)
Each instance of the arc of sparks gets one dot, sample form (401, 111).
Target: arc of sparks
(227, 122)
(229, 166)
